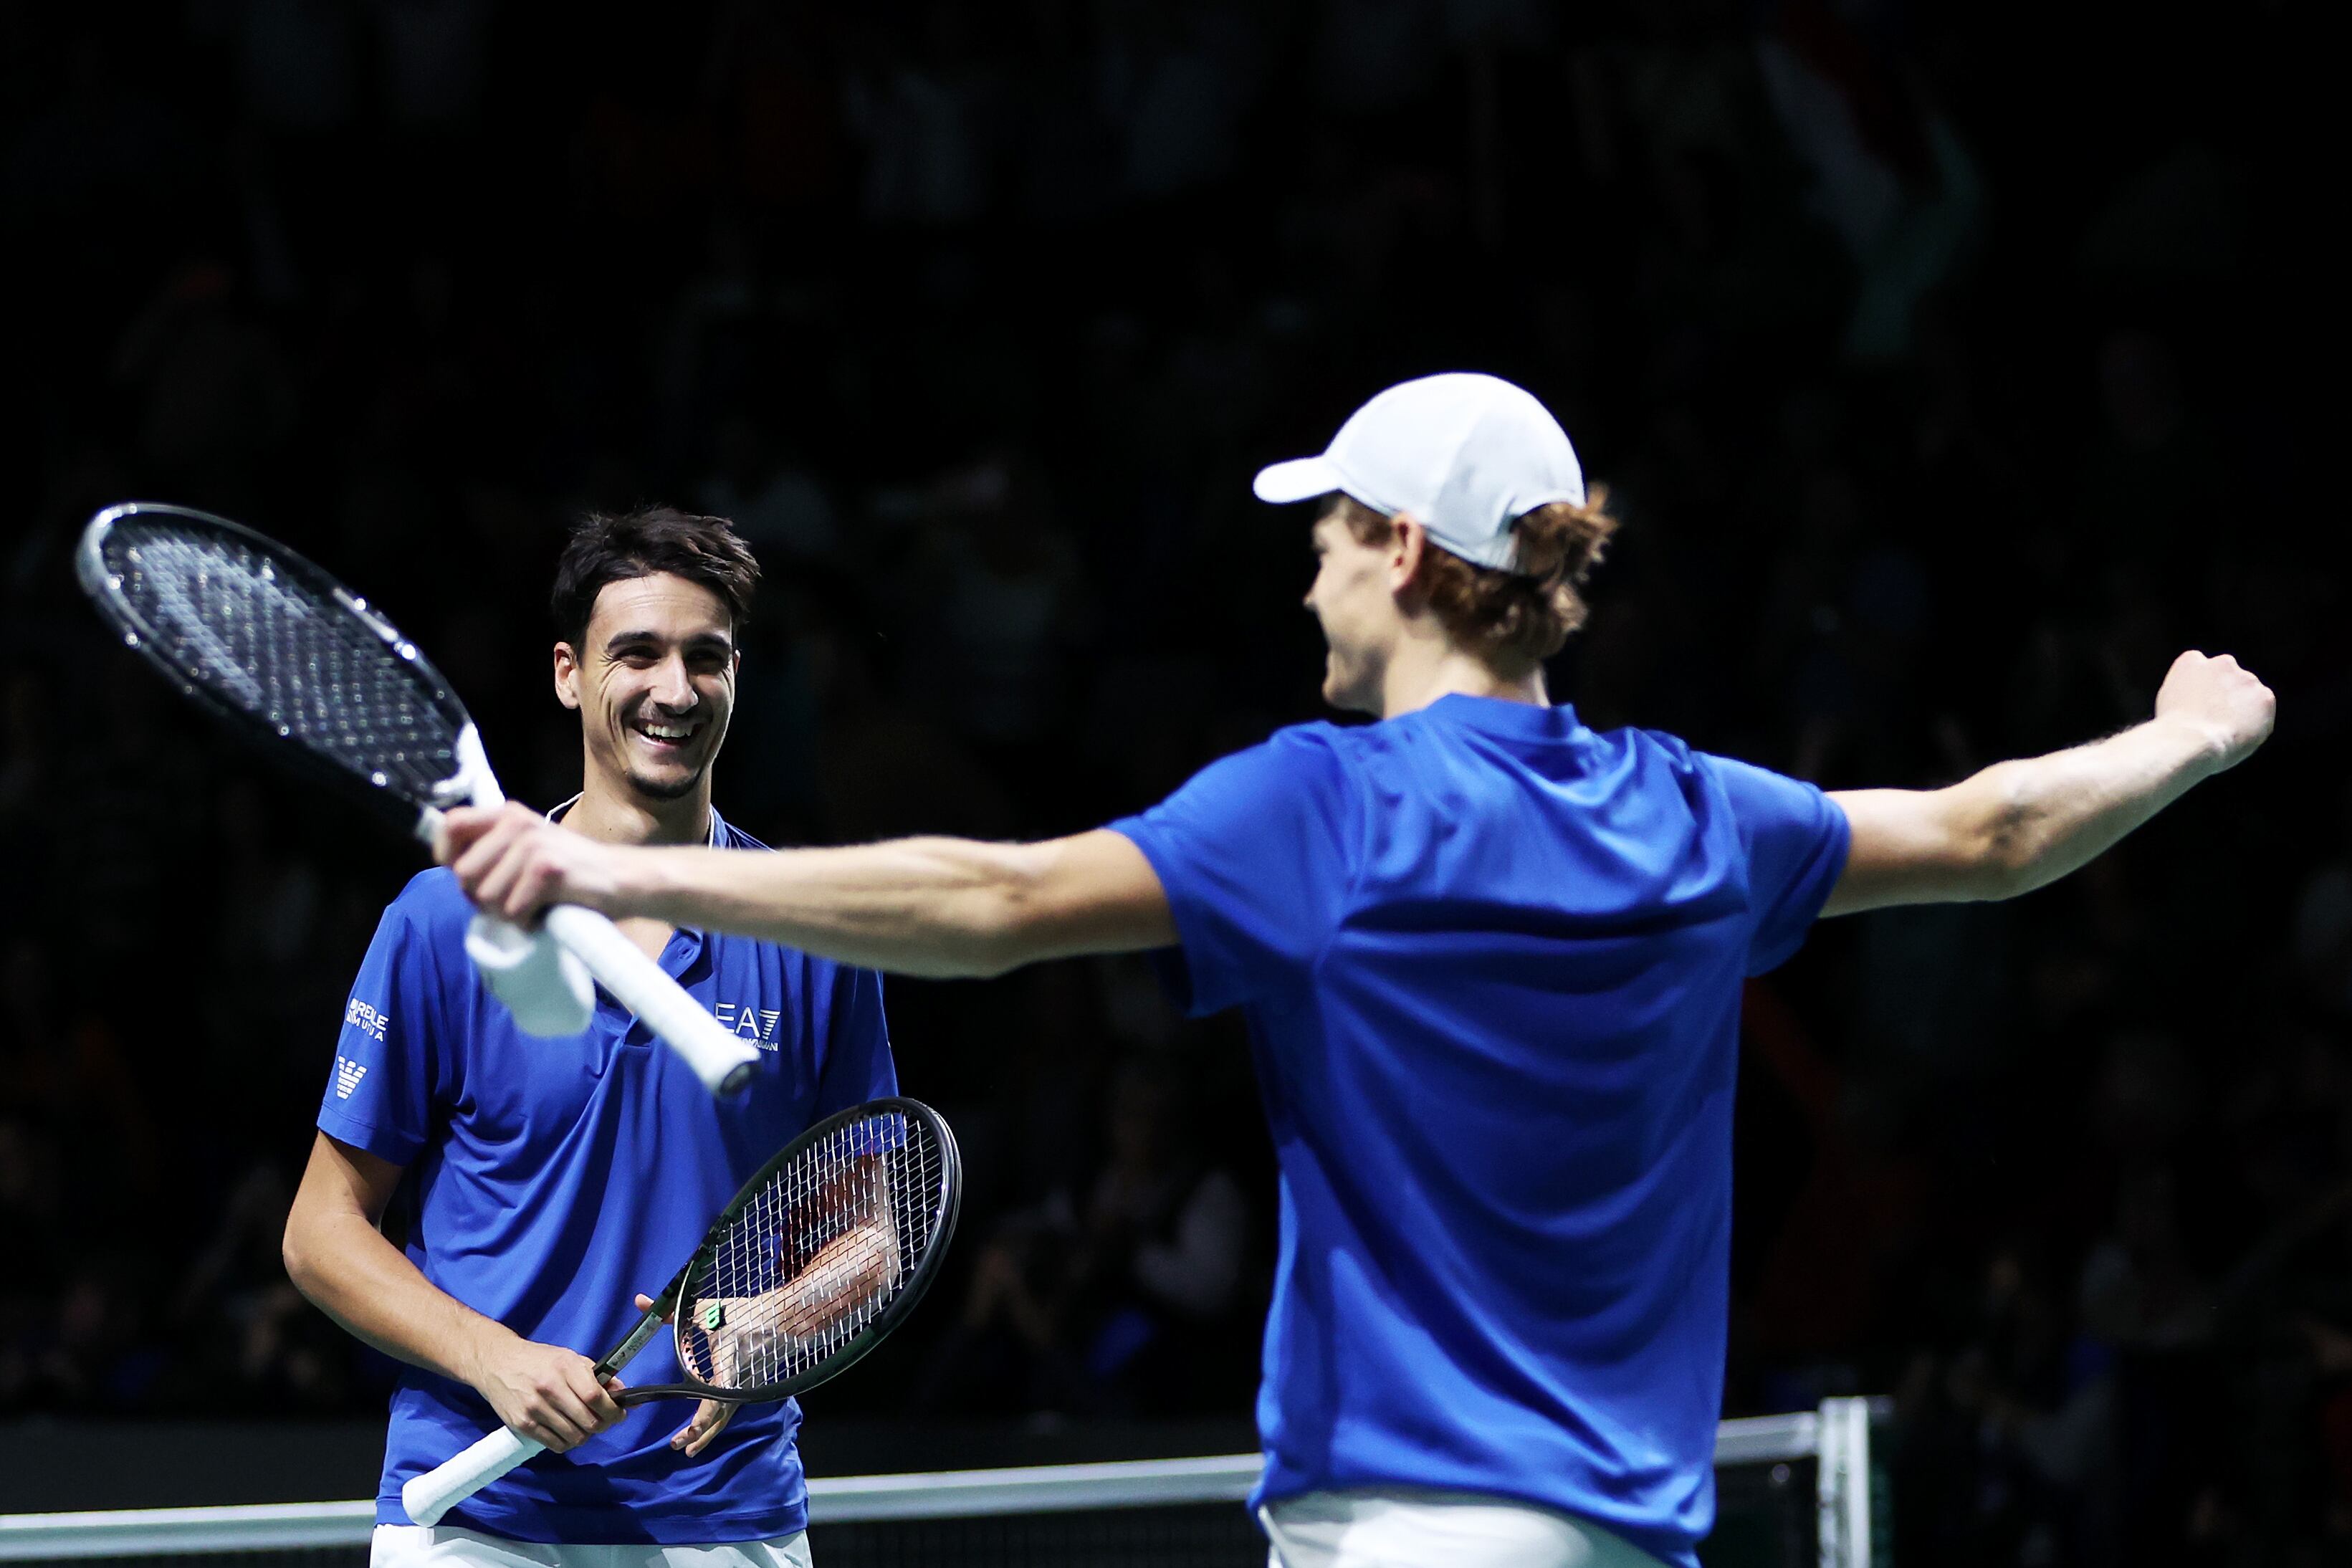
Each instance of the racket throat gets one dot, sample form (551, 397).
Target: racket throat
(472, 784)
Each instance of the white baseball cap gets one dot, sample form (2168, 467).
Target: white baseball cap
(1465, 455)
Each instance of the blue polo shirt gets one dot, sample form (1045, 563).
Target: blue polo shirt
(1491, 963)
(550, 1180)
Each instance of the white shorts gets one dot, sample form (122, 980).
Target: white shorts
(446, 1546)
(1407, 1528)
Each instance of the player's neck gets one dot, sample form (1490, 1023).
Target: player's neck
(609, 812)
(1420, 671)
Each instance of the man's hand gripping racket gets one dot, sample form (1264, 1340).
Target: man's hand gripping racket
(824, 1251)
(281, 652)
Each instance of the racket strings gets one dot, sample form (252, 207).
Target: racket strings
(272, 645)
(816, 1255)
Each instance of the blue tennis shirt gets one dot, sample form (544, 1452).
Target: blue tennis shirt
(1491, 963)
(550, 1180)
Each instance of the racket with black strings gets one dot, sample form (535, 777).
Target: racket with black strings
(824, 1251)
(311, 673)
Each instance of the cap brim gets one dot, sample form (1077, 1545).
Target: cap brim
(1301, 478)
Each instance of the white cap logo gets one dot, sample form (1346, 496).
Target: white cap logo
(1465, 455)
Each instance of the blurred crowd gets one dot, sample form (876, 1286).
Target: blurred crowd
(1948, 371)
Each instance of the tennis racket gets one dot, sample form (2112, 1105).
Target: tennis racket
(311, 673)
(823, 1253)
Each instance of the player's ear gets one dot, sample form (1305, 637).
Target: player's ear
(567, 675)
(1408, 542)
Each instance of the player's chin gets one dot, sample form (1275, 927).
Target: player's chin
(672, 771)
(1342, 689)
(667, 784)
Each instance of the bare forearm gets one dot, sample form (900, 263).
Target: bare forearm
(337, 1258)
(935, 907)
(844, 1272)
(2046, 817)
(753, 1337)
(941, 908)
(2018, 826)
(349, 1271)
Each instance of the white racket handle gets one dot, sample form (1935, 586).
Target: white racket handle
(722, 1060)
(445, 1486)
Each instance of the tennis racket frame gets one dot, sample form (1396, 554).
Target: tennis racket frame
(428, 1497)
(721, 1060)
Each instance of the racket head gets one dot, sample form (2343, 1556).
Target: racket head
(891, 1159)
(277, 650)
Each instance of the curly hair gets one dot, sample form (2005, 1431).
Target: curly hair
(1512, 619)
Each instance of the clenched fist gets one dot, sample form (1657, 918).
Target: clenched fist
(548, 1394)
(2223, 701)
(513, 862)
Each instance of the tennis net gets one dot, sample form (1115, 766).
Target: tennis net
(1795, 1489)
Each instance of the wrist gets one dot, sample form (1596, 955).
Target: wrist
(641, 884)
(2205, 748)
(478, 1344)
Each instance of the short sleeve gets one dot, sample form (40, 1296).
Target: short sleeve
(858, 1064)
(378, 1095)
(1256, 855)
(1796, 839)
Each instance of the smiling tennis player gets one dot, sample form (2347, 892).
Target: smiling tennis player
(1491, 961)
(546, 1181)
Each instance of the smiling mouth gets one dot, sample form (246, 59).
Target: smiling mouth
(664, 737)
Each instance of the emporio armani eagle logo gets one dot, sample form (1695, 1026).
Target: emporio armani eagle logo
(348, 1074)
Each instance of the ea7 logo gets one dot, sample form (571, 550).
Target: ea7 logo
(348, 1074)
(757, 1024)
(366, 1019)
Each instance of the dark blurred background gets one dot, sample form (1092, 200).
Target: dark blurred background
(1953, 370)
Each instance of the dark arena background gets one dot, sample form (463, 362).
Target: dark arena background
(1952, 369)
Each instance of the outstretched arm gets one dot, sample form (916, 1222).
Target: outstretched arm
(942, 907)
(2018, 826)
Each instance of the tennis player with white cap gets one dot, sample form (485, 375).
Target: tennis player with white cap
(1464, 456)
(1491, 961)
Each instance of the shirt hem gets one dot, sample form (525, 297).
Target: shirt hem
(613, 1526)
(385, 1143)
(1669, 1546)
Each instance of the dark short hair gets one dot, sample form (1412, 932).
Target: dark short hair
(611, 547)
